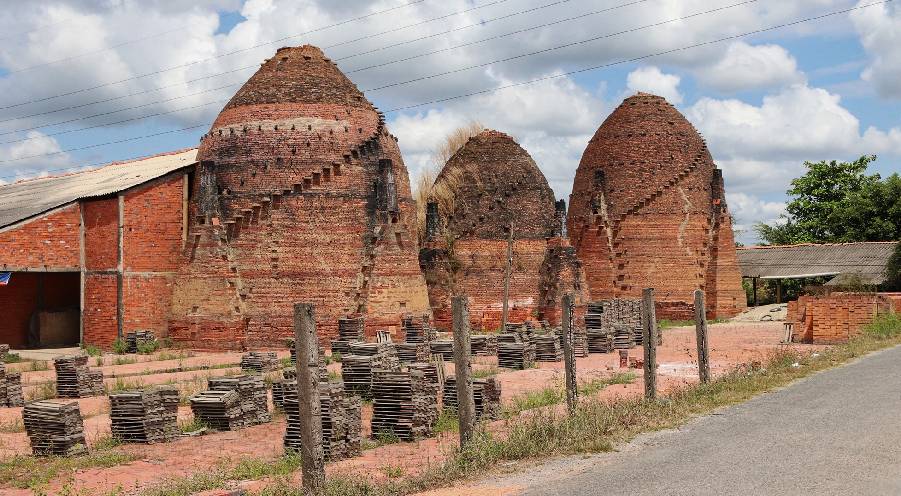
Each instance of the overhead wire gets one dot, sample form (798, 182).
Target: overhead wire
(531, 81)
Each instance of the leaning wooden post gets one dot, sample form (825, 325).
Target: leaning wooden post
(701, 331)
(466, 405)
(569, 355)
(508, 268)
(649, 319)
(307, 348)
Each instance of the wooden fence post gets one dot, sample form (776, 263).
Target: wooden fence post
(569, 355)
(307, 348)
(701, 331)
(649, 318)
(466, 406)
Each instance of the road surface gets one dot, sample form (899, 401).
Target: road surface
(835, 433)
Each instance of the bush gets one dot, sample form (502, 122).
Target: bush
(91, 350)
(147, 347)
(120, 347)
(884, 326)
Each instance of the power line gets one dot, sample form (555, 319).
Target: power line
(560, 47)
(257, 65)
(532, 81)
(518, 31)
(632, 3)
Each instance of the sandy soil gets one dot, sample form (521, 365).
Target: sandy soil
(730, 344)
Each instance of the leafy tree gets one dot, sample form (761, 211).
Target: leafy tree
(835, 202)
(893, 270)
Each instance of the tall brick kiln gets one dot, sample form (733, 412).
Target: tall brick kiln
(301, 195)
(648, 210)
(488, 185)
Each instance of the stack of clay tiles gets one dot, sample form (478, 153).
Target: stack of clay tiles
(341, 420)
(10, 383)
(145, 416)
(598, 334)
(417, 329)
(74, 379)
(232, 403)
(548, 347)
(648, 210)
(362, 360)
(405, 403)
(515, 350)
(350, 330)
(486, 392)
(483, 344)
(54, 427)
(134, 339)
(412, 352)
(260, 361)
(443, 347)
(580, 340)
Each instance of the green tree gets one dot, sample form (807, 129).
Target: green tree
(893, 270)
(835, 202)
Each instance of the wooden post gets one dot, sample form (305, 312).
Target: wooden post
(701, 331)
(507, 271)
(569, 355)
(307, 348)
(466, 406)
(754, 289)
(779, 291)
(649, 318)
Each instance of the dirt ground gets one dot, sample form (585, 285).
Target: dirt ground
(730, 344)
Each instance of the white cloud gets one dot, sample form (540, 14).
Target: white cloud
(39, 153)
(750, 209)
(879, 28)
(745, 66)
(650, 79)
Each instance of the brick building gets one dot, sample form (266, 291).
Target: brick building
(488, 185)
(92, 253)
(648, 210)
(297, 193)
(301, 195)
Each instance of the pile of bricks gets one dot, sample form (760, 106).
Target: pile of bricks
(486, 393)
(547, 348)
(405, 404)
(418, 329)
(443, 347)
(74, 379)
(10, 383)
(146, 416)
(136, 338)
(412, 352)
(483, 344)
(350, 330)
(54, 428)
(260, 361)
(515, 351)
(232, 403)
(834, 318)
(341, 420)
(598, 336)
(364, 358)
(220, 410)
(580, 341)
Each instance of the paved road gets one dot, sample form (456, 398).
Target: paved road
(838, 432)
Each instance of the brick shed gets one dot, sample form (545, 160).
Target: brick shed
(302, 195)
(648, 210)
(489, 184)
(92, 254)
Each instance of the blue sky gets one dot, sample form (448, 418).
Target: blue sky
(829, 89)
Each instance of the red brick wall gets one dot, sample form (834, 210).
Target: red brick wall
(50, 241)
(647, 210)
(20, 301)
(101, 233)
(99, 319)
(834, 318)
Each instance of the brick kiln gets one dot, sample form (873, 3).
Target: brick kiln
(648, 210)
(300, 194)
(488, 185)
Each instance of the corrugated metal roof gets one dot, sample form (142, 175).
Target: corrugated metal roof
(866, 261)
(25, 199)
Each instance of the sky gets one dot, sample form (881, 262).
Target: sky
(769, 83)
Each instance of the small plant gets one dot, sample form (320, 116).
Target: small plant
(44, 391)
(106, 442)
(447, 422)
(91, 350)
(123, 385)
(126, 360)
(483, 373)
(334, 376)
(15, 426)
(99, 361)
(39, 365)
(193, 426)
(173, 355)
(146, 347)
(884, 326)
(336, 356)
(11, 358)
(120, 347)
(386, 437)
(393, 471)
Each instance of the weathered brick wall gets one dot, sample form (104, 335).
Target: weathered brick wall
(288, 210)
(101, 233)
(561, 272)
(100, 319)
(488, 185)
(47, 241)
(647, 210)
(835, 318)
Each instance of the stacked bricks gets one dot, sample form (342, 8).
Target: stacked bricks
(835, 318)
(648, 210)
(10, 383)
(298, 167)
(350, 330)
(54, 427)
(486, 392)
(489, 184)
(232, 403)
(341, 420)
(260, 361)
(405, 403)
(74, 379)
(358, 367)
(145, 416)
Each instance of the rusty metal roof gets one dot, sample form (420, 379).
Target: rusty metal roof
(25, 199)
(862, 261)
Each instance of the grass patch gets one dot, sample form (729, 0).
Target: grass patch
(123, 385)
(447, 422)
(245, 469)
(28, 472)
(44, 391)
(483, 373)
(10, 358)
(147, 347)
(193, 426)
(173, 355)
(39, 365)
(12, 427)
(124, 360)
(120, 347)
(91, 350)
